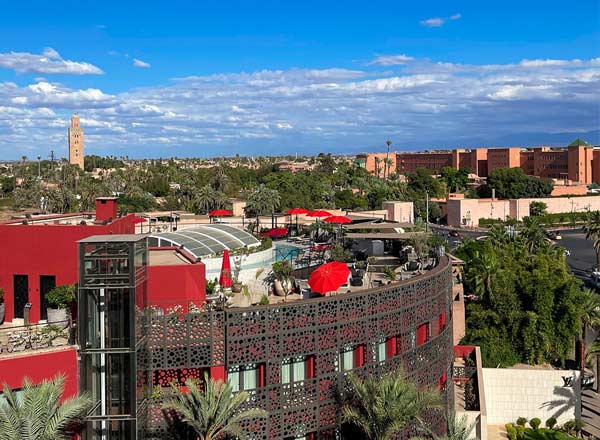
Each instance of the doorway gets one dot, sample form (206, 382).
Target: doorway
(21, 289)
(47, 283)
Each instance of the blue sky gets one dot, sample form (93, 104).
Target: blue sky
(202, 78)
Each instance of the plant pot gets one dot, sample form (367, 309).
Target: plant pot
(236, 287)
(2, 313)
(58, 316)
(278, 288)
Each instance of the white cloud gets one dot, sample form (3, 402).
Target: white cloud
(49, 62)
(287, 110)
(433, 22)
(140, 63)
(390, 60)
(439, 21)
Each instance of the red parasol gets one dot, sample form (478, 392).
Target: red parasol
(296, 211)
(337, 219)
(220, 213)
(329, 277)
(138, 220)
(275, 232)
(225, 278)
(319, 213)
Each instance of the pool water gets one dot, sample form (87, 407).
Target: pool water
(286, 252)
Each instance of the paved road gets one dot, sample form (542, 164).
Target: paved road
(583, 257)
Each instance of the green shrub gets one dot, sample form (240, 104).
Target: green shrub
(551, 423)
(578, 425)
(535, 423)
(521, 421)
(569, 426)
(61, 296)
(512, 433)
(507, 426)
(264, 300)
(520, 432)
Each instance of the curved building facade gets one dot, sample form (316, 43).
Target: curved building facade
(293, 358)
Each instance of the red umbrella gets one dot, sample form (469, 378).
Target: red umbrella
(337, 219)
(220, 213)
(138, 220)
(275, 232)
(319, 213)
(329, 277)
(296, 211)
(225, 278)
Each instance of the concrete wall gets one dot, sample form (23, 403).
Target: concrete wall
(511, 393)
(250, 264)
(399, 211)
(468, 212)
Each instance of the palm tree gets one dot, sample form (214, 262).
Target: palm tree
(212, 410)
(204, 199)
(262, 201)
(377, 167)
(483, 267)
(38, 413)
(388, 166)
(592, 232)
(458, 429)
(590, 316)
(383, 407)
(387, 161)
(533, 234)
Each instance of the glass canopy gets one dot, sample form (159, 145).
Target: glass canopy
(206, 239)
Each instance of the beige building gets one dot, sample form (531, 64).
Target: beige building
(76, 142)
(468, 212)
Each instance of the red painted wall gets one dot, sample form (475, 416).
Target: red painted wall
(39, 366)
(169, 286)
(36, 250)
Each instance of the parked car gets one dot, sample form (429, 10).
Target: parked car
(454, 234)
(554, 235)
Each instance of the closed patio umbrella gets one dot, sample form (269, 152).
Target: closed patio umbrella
(225, 278)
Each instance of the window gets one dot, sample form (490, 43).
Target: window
(295, 369)
(381, 350)
(350, 357)
(386, 348)
(423, 333)
(244, 377)
(441, 322)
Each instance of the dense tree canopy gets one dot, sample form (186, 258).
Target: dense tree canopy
(513, 183)
(527, 302)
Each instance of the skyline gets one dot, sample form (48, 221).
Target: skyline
(214, 80)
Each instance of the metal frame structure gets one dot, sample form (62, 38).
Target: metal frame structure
(320, 328)
(112, 297)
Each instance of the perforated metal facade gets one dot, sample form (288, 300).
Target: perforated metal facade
(321, 329)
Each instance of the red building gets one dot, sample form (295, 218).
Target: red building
(43, 254)
(578, 162)
(40, 253)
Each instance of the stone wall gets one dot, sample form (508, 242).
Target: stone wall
(511, 393)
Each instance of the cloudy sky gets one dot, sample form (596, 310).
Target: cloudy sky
(204, 78)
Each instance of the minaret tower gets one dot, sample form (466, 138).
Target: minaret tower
(75, 142)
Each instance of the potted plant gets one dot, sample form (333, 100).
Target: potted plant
(282, 277)
(236, 286)
(2, 306)
(59, 300)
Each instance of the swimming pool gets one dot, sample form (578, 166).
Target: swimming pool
(286, 251)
